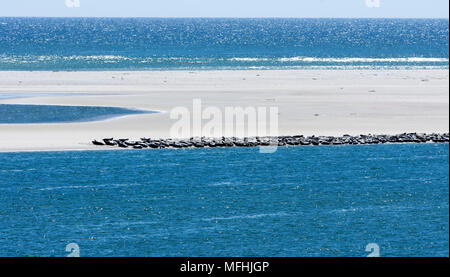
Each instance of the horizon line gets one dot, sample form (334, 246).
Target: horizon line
(218, 17)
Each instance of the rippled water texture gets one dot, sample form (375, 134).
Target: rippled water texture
(145, 43)
(299, 201)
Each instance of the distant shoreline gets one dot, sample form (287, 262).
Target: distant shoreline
(341, 68)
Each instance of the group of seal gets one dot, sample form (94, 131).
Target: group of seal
(200, 142)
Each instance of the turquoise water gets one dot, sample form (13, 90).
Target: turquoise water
(206, 43)
(299, 201)
(20, 114)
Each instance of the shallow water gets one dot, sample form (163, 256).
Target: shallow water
(298, 201)
(5, 96)
(21, 114)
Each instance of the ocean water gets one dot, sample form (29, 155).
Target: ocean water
(298, 201)
(184, 44)
(20, 114)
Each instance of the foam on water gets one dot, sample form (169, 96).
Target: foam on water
(182, 63)
(201, 43)
(239, 217)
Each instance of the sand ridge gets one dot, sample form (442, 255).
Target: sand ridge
(319, 102)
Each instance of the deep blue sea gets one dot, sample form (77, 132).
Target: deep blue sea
(184, 44)
(298, 201)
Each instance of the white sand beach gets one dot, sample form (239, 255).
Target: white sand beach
(319, 102)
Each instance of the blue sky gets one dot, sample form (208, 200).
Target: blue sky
(227, 8)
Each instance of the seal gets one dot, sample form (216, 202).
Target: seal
(95, 142)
